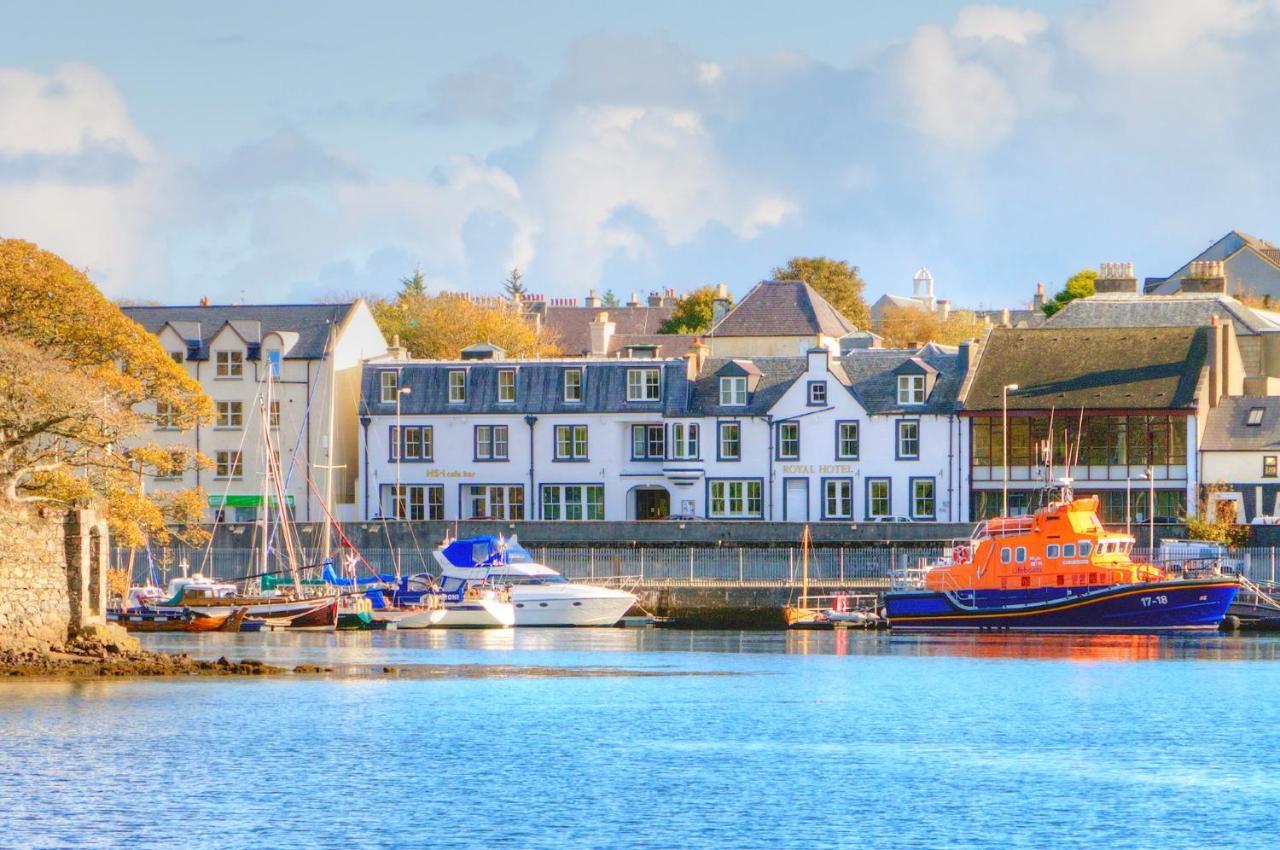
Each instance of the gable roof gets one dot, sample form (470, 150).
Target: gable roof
(776, 375)
(783, 308)
(1143, 311)
(1225, 428)
(872, 376)
(1221, 249)
(572, 325)
(1101, 368)
(311, 322)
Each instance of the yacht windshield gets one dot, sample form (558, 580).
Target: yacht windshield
(510, 578)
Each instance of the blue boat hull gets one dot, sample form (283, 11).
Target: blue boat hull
(1180, 605)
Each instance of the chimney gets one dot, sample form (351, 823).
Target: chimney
(204, 300)
(1004, 318)
(635, 300)
(1116, 278)
(720, 304)
(395, 351)
(1205, 276)
(592, 300)
(601, 333)
(655, 299)
(695, 358)
(944, 309)
(1037, 303)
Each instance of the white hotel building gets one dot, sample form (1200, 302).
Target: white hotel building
(818, 435)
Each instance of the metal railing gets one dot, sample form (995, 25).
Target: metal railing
(661, 565)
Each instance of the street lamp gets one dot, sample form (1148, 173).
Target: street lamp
(1004, 457)
(1151, 513)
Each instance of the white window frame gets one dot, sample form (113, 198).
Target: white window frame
(841, 454)
(736, 498)
(470, 496)
(911, 389)
(782, 441)
(916, 497)
(571, 442)
(389, 385)
(415, 502)
(228, 465)
(576, 385)
(506, 386)
(684, 440)
(492, 443)
(815, 386)
(564, 499)
(228, 364)
(901, 439)
(644, 385)
(872, 497)
(737, 441)
(733, 391)
(230, 415)
(457, 388)
(841, 498)
(166, 417)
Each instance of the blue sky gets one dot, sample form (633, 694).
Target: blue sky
(290, 151)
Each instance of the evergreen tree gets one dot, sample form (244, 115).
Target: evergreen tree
(514, 285)
(416, 284)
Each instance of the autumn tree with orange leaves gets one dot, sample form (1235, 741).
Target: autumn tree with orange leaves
(80, 385)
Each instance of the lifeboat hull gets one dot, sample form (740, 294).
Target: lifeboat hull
(1165, 606)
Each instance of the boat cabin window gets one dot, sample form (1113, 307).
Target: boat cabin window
(1020, 554)
(1051, 551)
(1069, 550)
(1005, 555)
(1086, 547)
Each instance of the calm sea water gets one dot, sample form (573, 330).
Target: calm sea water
(818, 740)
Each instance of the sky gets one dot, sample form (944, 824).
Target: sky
(291, 151)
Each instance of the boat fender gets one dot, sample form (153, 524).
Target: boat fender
(960, 555)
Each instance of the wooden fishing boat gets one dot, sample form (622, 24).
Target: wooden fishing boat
(185, 620)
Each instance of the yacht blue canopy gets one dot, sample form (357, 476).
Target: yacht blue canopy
(484, 551)
(330, 577)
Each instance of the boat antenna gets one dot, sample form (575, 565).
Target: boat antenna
(1075, 460)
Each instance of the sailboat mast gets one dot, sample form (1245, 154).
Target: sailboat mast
(264, 511)
(804, 564)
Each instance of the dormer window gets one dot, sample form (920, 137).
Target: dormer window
(644, 385)
(573, 385)
(1255, 416)
(457, 386)
(229, 364)
(733, 391)
(911, 389)
(389, 382)
(506, 386)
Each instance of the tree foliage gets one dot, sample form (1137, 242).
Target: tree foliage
(835, 280)
(514, 284)
(79, 384)
(440, 326)
(693, 313)
(414, 284)
(1219, 524)
(903, 326)
(1079, 285)
(610, 299)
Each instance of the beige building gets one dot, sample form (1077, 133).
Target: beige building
(313, 354)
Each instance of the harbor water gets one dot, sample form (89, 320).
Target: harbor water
(675, 739)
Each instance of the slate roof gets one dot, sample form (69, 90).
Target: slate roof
(311, 322)
(539, 387)
(872, 378)
(1100, 368)
(1221, 249)
(1225, 428)
(1183, 309)
(572, 325)
(776, 375)
(783, 308)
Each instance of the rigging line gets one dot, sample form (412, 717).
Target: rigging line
(207, 554)
(343, 539)
(302, 430)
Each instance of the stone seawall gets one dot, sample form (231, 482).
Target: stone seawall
(52, 575)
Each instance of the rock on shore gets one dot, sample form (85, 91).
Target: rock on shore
(90, 656)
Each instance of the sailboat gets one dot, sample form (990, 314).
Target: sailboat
(842, 608)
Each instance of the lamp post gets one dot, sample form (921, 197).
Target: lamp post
(1128, 489)
(1151, 513)
(1004, 456)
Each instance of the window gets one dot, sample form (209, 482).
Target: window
(644, 385)
(911, 389)
(229, 364)
(922, 498)
(571, 442)
(837, 498)
(879, 503)
(273, 358)
(648, 442)
(730, 441)
(414, 502)
(493, 501)
(1269, 469)
(734, 498)
(1255, 416)
(684, 440)
(457, 386)
(1020, 554)
(1051, 551)
(1085, 548)
(416, 443)
(817, 393)
(491, 442)
(273, 414)
(788, 440)
(733, 392)
(227, 464)
(390, 382)
(573, 501)
(506, 386)
(1069, 550)
(1005, 555)
(847, 440)
(178, 461)
(908, 439)
(178, 356)
(573, 385)
(230, 414)
(166, 417)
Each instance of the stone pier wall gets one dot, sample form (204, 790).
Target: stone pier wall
(53, 579)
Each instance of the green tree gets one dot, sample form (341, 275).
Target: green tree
(514, 285)
(80, 383)
(835, 280)
(1079, 285)
(693, 313)
(415, 284)
(610, 299)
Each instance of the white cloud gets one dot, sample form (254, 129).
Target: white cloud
(983, 22)
(1156, 35)
(953, 100)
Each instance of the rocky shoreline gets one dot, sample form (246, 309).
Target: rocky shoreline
(87, 657)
